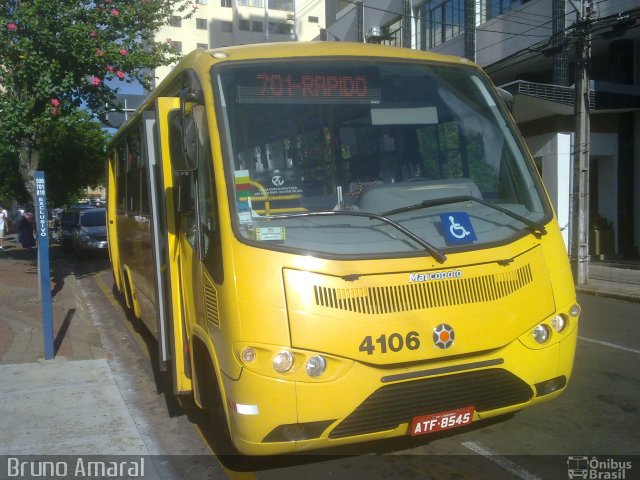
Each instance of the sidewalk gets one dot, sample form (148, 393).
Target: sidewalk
(72, 405)
(67, 406)
(612, 281)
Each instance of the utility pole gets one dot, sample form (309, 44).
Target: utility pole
(580, 201)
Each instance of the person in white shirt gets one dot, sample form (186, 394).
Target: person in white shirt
(4, 225)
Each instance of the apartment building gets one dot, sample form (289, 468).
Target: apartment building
(220, 23)
(528, 48)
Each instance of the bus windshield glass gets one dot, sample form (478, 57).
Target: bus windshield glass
(360, 157)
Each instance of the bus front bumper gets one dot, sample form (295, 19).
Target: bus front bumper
(273, 416)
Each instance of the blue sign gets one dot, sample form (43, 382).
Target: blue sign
(42, 229)
(457, 228)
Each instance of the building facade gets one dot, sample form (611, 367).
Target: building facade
(220, 23)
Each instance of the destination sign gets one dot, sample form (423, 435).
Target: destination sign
(283, 87)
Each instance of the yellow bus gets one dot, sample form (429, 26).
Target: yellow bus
(337, 243)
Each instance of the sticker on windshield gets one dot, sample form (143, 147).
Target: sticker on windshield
(243, 195)
(457, 228)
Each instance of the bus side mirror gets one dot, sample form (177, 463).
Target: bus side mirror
(507, 97)
(183, 142)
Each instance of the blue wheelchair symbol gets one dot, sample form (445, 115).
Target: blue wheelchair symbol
(457, 228)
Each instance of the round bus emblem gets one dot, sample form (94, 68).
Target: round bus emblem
(443, 336)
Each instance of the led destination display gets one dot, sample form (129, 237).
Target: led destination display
(286, 87)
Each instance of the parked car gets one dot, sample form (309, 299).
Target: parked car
(67, 222)
(90, 230)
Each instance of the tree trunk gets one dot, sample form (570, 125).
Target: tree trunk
(29, 160)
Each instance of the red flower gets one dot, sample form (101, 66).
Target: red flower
(120, 74)
(115, 12)
(110, 68)
(95, 80)
(55, 102)
(12, 27)
(124, 52)
(93, 34)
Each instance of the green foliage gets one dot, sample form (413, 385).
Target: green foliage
(74, 157)
(11, 184)
(55, 56)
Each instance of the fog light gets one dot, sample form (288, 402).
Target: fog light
(316, 365)
(541, 334)
(550, 386)
(575, 310)
(248, 355)
(558, 323)
(283, 361)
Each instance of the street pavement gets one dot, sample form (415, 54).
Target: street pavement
(72, 404)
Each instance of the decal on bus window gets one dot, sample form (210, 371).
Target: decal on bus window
(244, 191)
(457, 228)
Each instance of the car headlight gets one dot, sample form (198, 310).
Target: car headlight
(283, 361)
(316, 365)
(541, 334)
(559, 322)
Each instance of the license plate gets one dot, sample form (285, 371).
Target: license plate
(441, 421)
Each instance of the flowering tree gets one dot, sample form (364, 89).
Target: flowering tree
(55, 56)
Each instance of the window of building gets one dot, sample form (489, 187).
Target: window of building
(175, 21)
(257, 26)
(244, 25)
(226, 26)
(225, 3)
(312, 20)
(201, 2)
(176, 45)
(277, 27)
(201, 23)
(495, 8)
(250, 3)
(286, 5)
(203, 46)
(441, 20)
(393, 34)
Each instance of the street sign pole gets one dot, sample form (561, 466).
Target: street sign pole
(42, 229)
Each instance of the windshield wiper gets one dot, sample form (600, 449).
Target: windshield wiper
(435, 252)
(535, 227)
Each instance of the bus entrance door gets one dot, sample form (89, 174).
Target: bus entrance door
(173, 259)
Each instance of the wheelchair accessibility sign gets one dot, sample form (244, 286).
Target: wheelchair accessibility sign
(457, 228)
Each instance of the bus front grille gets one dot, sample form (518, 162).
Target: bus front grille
(391, 405)
(418, 296)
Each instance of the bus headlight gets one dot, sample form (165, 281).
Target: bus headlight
(541, 334)
(575, 309)
(283, 361)
(316, 365)
(559, 322)
(248, 354)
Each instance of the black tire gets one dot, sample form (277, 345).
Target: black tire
(215, 419)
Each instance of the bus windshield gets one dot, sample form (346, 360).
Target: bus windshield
(416, 157)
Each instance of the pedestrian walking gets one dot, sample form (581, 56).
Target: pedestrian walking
(4, 225)
(27, 239)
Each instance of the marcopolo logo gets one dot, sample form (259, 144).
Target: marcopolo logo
(425, 277)
(582, 466)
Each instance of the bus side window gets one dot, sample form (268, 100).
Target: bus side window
(208, 219)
